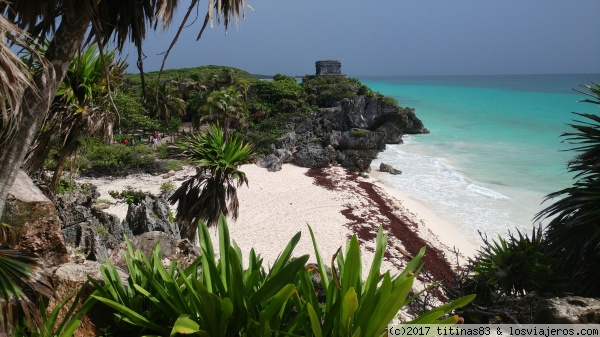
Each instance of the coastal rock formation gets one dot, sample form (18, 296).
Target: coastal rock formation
(350, 133)
(383, 167)
(34, 222)
(568, 310)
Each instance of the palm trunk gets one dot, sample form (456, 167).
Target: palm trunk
(67, 40)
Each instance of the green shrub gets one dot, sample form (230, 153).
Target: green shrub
(129, 196)
(217, 296)
(512, 267)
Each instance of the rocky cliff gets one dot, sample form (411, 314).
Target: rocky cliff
(350, 132)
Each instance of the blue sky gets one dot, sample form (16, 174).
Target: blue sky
(394, 37)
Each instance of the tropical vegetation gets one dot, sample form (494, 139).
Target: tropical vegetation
(213, 190)
(216, 296)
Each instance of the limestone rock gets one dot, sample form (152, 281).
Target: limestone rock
(181, 251)
(35, 222)
(271, 162)
(152, 214)
(383, 167)
(313, 156)
(568, 310)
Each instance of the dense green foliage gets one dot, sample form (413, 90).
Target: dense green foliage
(133, 115)
(513, 266)
(573, 233)
(217, 296)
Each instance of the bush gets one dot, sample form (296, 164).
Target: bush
(117, 159)
(511, 267)
(216, 296)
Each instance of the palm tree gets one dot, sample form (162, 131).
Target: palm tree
(69, 24)
(573, 233)
(166, 104)
(213, 190)
(226, 107)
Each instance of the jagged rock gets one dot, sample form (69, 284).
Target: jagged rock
(271, 162)
(568, 310)
(414, 125)
(388, 168)
(313, 156)
(286, 142)
(35, 222)
(71, 276)
(89, 230)
(181, 251)
(360, 139)
(152, 214)
(359, 160)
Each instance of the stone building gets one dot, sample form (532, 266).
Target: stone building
(329, 67)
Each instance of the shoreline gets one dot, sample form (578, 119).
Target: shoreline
(277, 205)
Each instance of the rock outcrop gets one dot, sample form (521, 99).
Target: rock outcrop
(34, 222)
(383, 167)
(568, 310)
(151, 214)
(350, 132)
(85, 227)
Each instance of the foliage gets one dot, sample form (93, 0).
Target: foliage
(573, 234)
(325, 91)
(513, 266)
(129, 196)
(64, 187)
(212, 191)
(166, 104)
(167, 187)
(116, 159)
(227, 108)
(53, 327)
(282, 95)
(133, 115)
(357, 307)
(216, 296)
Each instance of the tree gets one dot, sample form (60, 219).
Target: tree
(80, 22)
(573, 233)
(227, 107)
(213, 190)
(82, 107)
(166, 104)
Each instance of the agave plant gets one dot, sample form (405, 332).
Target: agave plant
(213, 190)
(573, 234)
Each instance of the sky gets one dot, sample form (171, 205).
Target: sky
(392, 38)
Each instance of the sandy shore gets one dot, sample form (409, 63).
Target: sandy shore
(336, 203)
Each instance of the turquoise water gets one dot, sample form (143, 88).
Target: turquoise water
(494, 150)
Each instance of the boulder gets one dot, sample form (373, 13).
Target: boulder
(313, 156)
(181, 251)
(271, 162)
(383, 167)
(286, 142)
(568, 310)
(151, 214)
(35, 222)
(358, 160)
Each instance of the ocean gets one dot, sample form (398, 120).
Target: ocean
(494, 150)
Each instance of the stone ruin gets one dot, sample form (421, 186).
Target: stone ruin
(329, 68)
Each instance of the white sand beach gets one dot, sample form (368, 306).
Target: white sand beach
(276, 205)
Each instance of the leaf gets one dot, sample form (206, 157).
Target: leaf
(184, 325)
